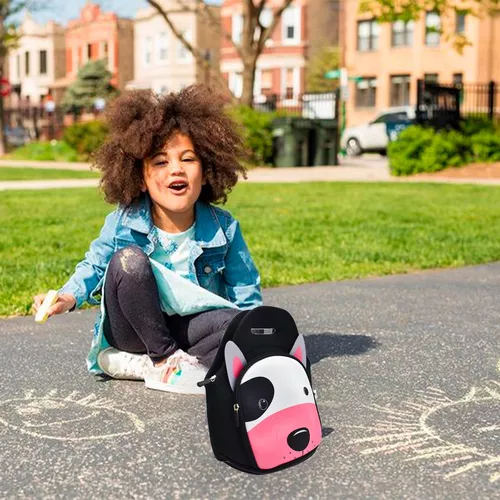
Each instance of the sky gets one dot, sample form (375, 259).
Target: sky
(64, 10)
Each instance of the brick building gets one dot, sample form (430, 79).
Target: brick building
(99, 35)
(162, 63)
(36, 62)
(281, 66)
(390, 58)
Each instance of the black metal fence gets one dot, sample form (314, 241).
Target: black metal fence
(307, 105)
(442, 105)
(480, 99)
(24, 124)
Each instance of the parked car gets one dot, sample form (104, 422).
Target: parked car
(17, 136)
(372, 136)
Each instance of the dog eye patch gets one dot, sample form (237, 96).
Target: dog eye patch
(255, 397)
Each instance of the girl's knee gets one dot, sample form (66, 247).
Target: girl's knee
(130, 261)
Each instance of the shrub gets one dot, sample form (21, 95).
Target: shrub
(46, 151)
(486, 146)
(86, 137)
(405, 153)
(257, 132)
(474, 124)
(423, 150)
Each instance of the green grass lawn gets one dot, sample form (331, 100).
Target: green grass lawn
(297, 233)
(31, 174)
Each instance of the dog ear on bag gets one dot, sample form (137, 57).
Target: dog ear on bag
(235, 362)
(299, 350)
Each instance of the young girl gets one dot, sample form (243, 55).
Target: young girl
(172, 269)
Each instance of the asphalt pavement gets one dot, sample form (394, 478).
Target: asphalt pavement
(408, 391)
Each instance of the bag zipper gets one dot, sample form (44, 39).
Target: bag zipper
(206, 381)
(236, 409)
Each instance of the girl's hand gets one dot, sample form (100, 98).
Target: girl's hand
(64, 302)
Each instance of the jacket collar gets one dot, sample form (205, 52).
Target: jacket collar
(208, 231)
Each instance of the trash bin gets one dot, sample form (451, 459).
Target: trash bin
(325, 147)
(291, 139)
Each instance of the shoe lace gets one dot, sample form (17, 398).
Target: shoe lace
(182, 356)
(134, 365)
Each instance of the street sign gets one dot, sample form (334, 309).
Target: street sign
(5, 87)
(333, 74)
(337, 73)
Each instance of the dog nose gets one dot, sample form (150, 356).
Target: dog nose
(298, 439)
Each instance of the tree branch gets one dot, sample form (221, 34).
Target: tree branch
(265, 34)
(200, 59)
(217, 24)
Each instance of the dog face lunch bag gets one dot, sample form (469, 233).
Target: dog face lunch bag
(261, 408)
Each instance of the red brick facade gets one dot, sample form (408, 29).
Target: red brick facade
(281, 66)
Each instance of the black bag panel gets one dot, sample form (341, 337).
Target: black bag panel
(219, 357)
(265, 317)
(225, 435)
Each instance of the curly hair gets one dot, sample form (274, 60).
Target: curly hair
(141, 122)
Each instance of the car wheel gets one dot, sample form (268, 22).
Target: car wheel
(353, 147)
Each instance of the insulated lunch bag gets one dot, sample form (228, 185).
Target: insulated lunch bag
(261, 408)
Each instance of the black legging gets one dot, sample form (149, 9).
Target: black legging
(135, 322)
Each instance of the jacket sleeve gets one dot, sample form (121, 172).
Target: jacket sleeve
(89, 273)
(241, 277)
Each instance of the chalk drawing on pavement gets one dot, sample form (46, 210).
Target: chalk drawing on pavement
(69, 418)
(457, 435)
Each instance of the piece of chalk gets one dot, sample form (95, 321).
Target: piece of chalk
(50, 299)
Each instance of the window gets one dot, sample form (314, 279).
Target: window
(43, 62)
(266, 81)
(89, 52)
(366, 92)
(290, 82)
(460, 22)
(27, 63)
(432, 29)
(18, 66)
(458, 78)
(148, 50)
(163, 46)
(290, 21)
(431, 77)
(391, 117)
(400, 90)
(182, 52)
(368, 33)
(265, 19)
(402, 33)
(236, 27)
(105, 51)
(236, 83)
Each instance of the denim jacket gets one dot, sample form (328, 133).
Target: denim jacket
(219, 258)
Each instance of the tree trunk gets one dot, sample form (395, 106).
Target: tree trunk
(249, 67)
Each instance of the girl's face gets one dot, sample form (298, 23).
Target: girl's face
(173, 178)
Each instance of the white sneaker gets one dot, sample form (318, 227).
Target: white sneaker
(179, 374)
(122, 365)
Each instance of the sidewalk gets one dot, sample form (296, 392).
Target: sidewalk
(365, 169)
(408, 392)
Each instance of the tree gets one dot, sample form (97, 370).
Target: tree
(253, 37)
(326, 60)
(8, 40)
(389, 11)
(93, 81)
